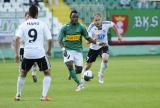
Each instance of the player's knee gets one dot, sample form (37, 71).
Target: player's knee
(78, 69)
(105, 61)
(88, 66)
(47, 72)
(23, 73)
(69, 66)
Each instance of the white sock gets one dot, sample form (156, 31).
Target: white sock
(82, 77)
(34, 67)
(102, 68)
(46, 85)
(20, 83)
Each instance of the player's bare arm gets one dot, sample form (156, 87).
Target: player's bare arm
(49, 47)
(62, 47)
(118, 34)
(90, 40)
(17, 49)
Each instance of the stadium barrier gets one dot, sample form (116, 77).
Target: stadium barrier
(114, 51)
(137, 26)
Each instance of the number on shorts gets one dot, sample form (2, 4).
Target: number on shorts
(32, 33)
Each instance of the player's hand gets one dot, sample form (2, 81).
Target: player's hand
(17, 58)
(49, 53)
(94, 41)
(101, 43)
(65, 53)
(119, 38)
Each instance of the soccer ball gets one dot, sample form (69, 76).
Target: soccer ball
(88, 75)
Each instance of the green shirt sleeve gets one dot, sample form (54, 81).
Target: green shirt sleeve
(61, 34)
(84, 32)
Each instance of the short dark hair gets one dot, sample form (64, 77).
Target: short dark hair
(97, 14)
(33, 11)
(26, 13)
(73, 11)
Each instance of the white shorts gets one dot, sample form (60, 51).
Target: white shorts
(74, 56)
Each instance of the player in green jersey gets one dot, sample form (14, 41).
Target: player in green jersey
(70, 40)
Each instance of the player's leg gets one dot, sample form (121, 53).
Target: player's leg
(45, 66)
(69, 63)
(91, 57)
(21, 53)
(85, 68)
(78, 60)
(25, 67)
(105, 57)
(33, 70)
(46, 85)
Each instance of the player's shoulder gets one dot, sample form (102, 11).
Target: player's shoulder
(82, 25)
(92, 25)
(106, 22)
(34, 21)
(40, 22)
(23, 24)
(64, 26)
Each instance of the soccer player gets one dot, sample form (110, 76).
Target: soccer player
(34, 67)
(33, 32)
(98, 31)
(70, 40)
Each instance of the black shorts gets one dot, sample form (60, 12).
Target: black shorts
(21, 53)
(42, 63)
(93, 54)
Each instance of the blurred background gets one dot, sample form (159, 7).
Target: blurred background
(137, 21)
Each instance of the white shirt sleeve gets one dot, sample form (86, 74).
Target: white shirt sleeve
(90, 34)
(47, 32)
(112, 24)
(90, 30)
(19, 31)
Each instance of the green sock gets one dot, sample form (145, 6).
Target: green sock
(74, 77)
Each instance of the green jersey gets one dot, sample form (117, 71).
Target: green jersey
(71, 35)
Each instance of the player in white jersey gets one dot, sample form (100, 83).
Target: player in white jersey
(34, 67)
(33, 32)
(98, 31)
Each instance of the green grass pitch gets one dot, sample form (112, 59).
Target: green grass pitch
(130, 82)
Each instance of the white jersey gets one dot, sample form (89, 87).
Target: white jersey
(100, 34)
(33, 33)
(21, 41)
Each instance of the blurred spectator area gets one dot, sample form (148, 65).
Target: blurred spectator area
(88, 7)
(118, 4)
(12, 14)
(20, 5)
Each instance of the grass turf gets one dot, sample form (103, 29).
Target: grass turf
(130, 82)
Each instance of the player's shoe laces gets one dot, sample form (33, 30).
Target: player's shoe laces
(82, 83)
(17, 98)
(100, 79)
(79, 87)
(34, 77)
(45, 98)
